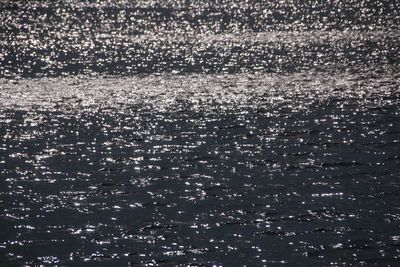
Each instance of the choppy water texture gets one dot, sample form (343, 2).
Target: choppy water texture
(177, 133)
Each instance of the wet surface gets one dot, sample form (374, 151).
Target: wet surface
(202, 169)
(61, 38)
(226, 137)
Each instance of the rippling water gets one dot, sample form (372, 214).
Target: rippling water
(179, 133)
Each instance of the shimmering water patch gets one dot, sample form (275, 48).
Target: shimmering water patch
(201, 169)
(61, 38)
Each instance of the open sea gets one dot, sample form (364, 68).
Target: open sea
(200, 133)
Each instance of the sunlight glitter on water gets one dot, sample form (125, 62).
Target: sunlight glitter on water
(199, 133)
(250, 163)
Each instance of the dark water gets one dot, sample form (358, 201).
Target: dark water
(193, 133)
(59, 38)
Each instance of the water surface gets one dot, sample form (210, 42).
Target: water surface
(178, 133)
